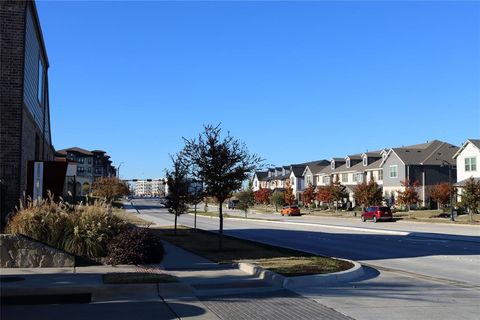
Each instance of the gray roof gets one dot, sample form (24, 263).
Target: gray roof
(431, 153)
(475, 142)
(374, 165)
(261, 175)
(76, 150)
(298, 170)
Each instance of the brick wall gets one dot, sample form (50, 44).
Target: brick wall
(12, 26)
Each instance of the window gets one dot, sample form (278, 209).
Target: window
(309, 179)
(98, 170)
(256, 183)
(326, 179)
(365, 161)
(358, 177)
(354, 177)
(380, 175)
(40, 81)
(89, 160)
(292, 181)
(332, 165)
(344, 177)
(80, 169)
(89, 170)
(471, 164)
(348, 163)
(81, 160)
(394, 171)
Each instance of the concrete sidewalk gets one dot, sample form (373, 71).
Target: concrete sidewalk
(206, 290)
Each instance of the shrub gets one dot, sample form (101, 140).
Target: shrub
(89, 229)
(44, 221)
(135, 246)
(79, 230)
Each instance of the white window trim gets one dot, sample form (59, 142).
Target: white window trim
(470, 162)
(396, 171)
(365, 161)
(348, 163)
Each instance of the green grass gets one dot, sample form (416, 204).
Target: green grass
(285, 261)
(132, 277)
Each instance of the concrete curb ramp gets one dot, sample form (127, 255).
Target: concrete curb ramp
(303, 281)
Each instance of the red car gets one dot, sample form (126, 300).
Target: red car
(290, 210)
(377, 213)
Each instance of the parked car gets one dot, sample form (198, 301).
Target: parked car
(377, 213)
(232, 204)
(290, 210)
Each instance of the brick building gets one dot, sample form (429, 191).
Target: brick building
(24, 101)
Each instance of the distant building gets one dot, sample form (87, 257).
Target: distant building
(149, 188)
(467, 158)
(90, 166)
(24, 99)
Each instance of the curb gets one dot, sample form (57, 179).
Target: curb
(302, 281)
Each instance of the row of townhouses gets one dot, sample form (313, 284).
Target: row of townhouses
(428, 163)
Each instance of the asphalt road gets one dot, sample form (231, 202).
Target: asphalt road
(411, 272)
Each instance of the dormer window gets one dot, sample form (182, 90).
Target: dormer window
(332, 164)
(283, 171)
(269, 174)
(365, 161)
(348, 163)
(384, 156)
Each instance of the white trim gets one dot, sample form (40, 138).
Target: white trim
(390, 171)
(462, 148)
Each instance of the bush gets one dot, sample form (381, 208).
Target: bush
(44, 221)
(89, 230)
(135, 246)
(79, 230)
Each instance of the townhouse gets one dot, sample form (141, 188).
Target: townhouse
(466, 160)
(428, 163)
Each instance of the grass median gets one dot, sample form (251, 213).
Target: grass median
(284, 261)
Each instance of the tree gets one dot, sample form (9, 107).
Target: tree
(309, 195)
(324, 194)
(442, 193)
(409, 196)
(262, 196)
(338, 192)
(288, 196)
(246, 199)
(110, 188)
(368, 194)
(277, 199)
(177, 187)
(471, 196)
(222, 163)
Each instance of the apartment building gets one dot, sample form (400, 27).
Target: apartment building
(24, 99)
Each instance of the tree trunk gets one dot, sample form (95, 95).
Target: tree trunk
(175, 229)
(195, 219)
(220, 233)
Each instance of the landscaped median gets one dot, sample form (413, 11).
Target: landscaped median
(280, 266)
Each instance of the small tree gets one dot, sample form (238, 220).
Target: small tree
(442, 193)
(221, 163)
(288, 196)
(368, 194)
(277, 199)
(409, 196)
(338, 192)
(309, 195)
(471, 196)
(110, 188)
(262, 196)
(177, 188)
(324, 195)
(246, 199)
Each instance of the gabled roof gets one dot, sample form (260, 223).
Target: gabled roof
(475, 142)
(374, 165)
(261, 175)
(297, 170)
(430, 153)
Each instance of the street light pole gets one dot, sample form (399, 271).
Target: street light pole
(118, 169)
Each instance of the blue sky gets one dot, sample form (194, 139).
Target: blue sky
(296, 81)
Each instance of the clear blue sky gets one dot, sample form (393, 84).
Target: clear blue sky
(295, 81)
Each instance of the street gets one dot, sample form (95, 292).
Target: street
(414, 273)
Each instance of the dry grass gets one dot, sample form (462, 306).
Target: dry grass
(130, 218)
(435, 216)
(285, 261)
